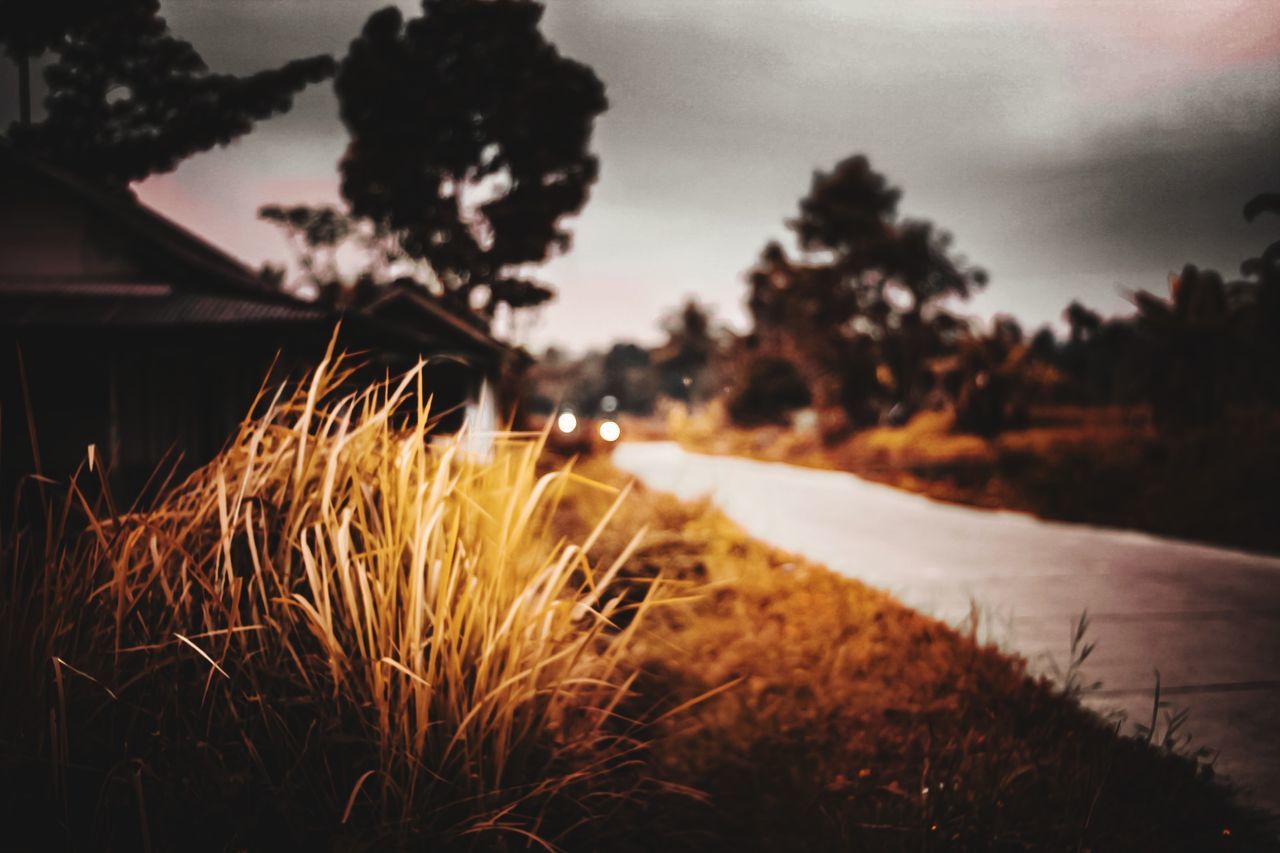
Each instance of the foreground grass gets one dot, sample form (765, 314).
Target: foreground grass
(856, 723)
(344, 634)
(1105, 466)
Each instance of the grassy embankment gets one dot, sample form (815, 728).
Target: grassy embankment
(343, 635)
(1105, 466)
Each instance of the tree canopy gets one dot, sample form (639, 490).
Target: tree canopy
(469, 142)
(865, 291)
(127, 98)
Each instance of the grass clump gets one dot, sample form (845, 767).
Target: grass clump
(340, 631)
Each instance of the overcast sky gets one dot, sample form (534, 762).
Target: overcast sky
(1076, 148)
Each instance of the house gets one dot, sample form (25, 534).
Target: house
(122, 329)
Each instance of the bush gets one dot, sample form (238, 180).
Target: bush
(771, 389)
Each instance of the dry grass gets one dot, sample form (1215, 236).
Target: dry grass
(344, 634)
(1098, 465)
(853, 722)
(340, 627)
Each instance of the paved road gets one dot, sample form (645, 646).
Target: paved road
(1207, 618)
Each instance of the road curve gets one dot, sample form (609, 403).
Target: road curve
(1207, 618)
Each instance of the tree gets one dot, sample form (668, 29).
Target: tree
(127, 99)
(1262, 285)
(772, 389)
(628, 376)
(469, 143)
(865, 292)
(683, 360)
(29, 29)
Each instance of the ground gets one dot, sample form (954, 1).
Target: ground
(856, 722)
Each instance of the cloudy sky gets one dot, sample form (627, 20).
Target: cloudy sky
(1076, 148)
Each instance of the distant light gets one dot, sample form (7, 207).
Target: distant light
(567, 422)
(610, 431)
(609, 403)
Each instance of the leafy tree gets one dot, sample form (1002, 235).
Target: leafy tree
(772, 389)
(866, 291)
(1188, 342)
(27, 30)
(683, 361)
(1261, 332)
(1083, 322)
(128, 99)
(628, 376)
(469, 143)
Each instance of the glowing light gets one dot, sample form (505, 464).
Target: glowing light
(610, 431)
(567, 422)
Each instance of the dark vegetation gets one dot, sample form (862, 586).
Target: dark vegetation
(340, 634)
(127, 98)
(1163, 420)
(470, 137)
(469, 145)
(300, 645)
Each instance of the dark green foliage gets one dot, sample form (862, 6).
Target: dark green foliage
(469, 142)
(128, 99)
(772, 389)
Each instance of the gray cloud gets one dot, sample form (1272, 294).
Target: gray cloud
(1070, 155)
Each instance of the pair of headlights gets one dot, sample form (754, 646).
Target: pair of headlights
(567, 423)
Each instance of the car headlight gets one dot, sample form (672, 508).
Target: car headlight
(610, 431)
(567, 422)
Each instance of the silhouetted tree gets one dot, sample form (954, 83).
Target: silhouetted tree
(772, 388)
(1188, 344)
(1260, 332)
(991, 397)
(865, 292)
(629, 377)
(28, 29)
(469, 142)
(683, 360)
(1083, 322)
(127, 99)
(1044, 345)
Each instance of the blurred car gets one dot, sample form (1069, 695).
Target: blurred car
(573, 432)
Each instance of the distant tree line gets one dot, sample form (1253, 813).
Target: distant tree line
(862, 322)
(685, 368)
(861, 325)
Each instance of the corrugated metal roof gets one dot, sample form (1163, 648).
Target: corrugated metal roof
(81, 287)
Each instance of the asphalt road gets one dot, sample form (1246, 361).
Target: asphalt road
(1207, 618)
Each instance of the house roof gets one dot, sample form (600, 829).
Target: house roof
(409, 305)
(205, 285)
(80, 304)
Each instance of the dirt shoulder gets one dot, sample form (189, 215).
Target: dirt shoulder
(1104, 466)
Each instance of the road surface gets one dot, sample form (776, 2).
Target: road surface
(1207, 618)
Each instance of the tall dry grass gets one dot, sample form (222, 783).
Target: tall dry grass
(343, 623)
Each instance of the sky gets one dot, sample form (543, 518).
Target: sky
(1076, 149)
